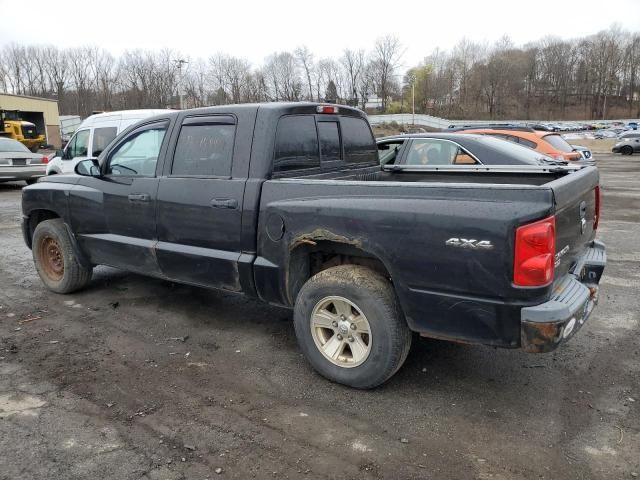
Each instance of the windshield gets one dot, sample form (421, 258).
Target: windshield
(513, 150)
(10, 145)
(558, 142)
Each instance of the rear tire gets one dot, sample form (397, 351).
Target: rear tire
(626, 150)
(55, 260)
(350, 327)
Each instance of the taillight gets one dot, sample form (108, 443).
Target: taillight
(45, 159)
(535, 249)
(596, 217)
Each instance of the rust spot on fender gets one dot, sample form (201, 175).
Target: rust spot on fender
(321, 234)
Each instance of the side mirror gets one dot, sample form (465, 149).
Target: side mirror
(88, 168)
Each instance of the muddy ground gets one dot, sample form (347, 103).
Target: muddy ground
(136, 378)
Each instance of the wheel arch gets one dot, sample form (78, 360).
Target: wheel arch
(310, 255)
(33, 218)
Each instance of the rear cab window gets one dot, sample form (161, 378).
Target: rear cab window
(308, 144)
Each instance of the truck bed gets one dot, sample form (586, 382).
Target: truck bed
(405, 218)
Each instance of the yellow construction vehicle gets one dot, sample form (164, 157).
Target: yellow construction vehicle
(24, 132)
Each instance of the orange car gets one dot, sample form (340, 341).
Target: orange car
(548, 143)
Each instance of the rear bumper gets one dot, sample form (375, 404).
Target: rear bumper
(545, 326)
(9, 174)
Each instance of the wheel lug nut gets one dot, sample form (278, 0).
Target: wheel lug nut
(334, 323)
(350, 338)
(353, 326)
(339, 337)
(342, 317)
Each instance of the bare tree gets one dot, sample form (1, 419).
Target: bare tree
(386, 56)
(305, 58)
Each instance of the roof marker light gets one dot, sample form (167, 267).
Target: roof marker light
(326, 109)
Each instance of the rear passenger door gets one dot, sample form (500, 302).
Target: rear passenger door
(200, 205)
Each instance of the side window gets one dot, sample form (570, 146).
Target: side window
(388, 152)
(204, 150)
(434, 151)
(359, 144)
(138, 154)
(527, 143)
(79, 146)
(296, 144)
(101, 138)
(329, 141)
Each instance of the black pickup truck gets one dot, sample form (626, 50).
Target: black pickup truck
(287, 202)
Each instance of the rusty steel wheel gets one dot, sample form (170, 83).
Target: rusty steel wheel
(52, 258)
(56, 259)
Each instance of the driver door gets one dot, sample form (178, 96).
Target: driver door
(114, 214)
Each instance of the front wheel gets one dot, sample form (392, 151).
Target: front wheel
(55, 260)
(626, 150)
(350, 327)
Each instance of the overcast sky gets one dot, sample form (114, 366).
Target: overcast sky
(254, 29)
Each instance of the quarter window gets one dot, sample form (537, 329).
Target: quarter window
(138, 155)
(296, 144)
(204, 150)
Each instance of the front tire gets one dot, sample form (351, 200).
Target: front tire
(626, 150)
(350, 327)
(55, 260)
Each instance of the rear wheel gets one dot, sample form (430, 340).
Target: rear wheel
(350, 327)
(55, 259)
(626, 150)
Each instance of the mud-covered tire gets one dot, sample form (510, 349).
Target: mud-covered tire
(55, 260)
(373, 295)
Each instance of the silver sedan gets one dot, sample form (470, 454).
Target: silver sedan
(18, 163)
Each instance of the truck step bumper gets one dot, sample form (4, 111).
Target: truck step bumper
(545, 326)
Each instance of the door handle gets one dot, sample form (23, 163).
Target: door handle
(138, 197)
(224, 203)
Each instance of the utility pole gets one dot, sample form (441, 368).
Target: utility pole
(413, 102)
(179, 63)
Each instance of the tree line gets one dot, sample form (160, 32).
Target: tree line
(590, 77)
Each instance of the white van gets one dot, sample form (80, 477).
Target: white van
(93, 135)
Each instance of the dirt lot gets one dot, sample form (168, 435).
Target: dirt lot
(136, 378)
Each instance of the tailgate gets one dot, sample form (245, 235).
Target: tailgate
(575, 211)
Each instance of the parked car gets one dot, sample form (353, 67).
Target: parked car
(92, 137)
(548, 143)
(587, 156)
(287, 202)
(632, 125)
(627, 145)
(455, 149)
(17, 162)
(628, 134)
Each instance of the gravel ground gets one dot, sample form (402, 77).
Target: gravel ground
(136, 378)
